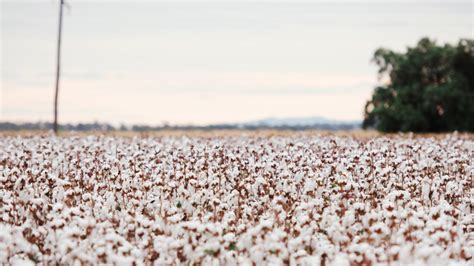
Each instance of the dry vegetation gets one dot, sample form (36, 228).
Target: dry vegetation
(264, 198)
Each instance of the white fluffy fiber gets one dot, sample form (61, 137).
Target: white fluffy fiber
(236, 200)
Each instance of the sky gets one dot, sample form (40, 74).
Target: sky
(193, 62)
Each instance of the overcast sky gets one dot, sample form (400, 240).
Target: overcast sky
(202, 62)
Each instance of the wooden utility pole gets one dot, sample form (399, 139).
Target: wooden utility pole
(58, 68)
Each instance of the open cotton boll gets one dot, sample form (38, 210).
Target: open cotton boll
(236, 200)
(22, 262)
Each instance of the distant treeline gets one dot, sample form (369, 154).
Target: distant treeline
(431, 89)
(96, 126)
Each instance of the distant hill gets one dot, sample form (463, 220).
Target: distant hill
(301, 122)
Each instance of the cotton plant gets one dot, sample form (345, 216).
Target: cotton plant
(297, 200)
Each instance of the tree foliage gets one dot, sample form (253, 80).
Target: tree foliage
(430, 88)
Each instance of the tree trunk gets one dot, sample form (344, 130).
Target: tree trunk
(55, 125)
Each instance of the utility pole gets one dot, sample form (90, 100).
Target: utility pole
(58, 68)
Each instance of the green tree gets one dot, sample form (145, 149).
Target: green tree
(430, 88)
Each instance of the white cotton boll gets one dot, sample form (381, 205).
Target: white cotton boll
(302, 219)
(229, 216)
(229, 237)
(348, 219)
(309, 185)
(299, 176)
(425, 189)
(126, 184)
(212, 245)
(120, 260)
(175, 218)
(86, 196)
(452, 188)
(26, 194)
(310, 260)
(22, 244)
(189, 252)
(6, 238)
(19, 182)
(428, 251)
(254, 188)
(257, 255)
(211, 261)
(22, 262)
(137, 254)
(359, 206)
(341, 260)
(114, 170)
(110, 200)
(260, 180)
(139, 194)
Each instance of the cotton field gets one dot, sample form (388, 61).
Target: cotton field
(237, 200)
